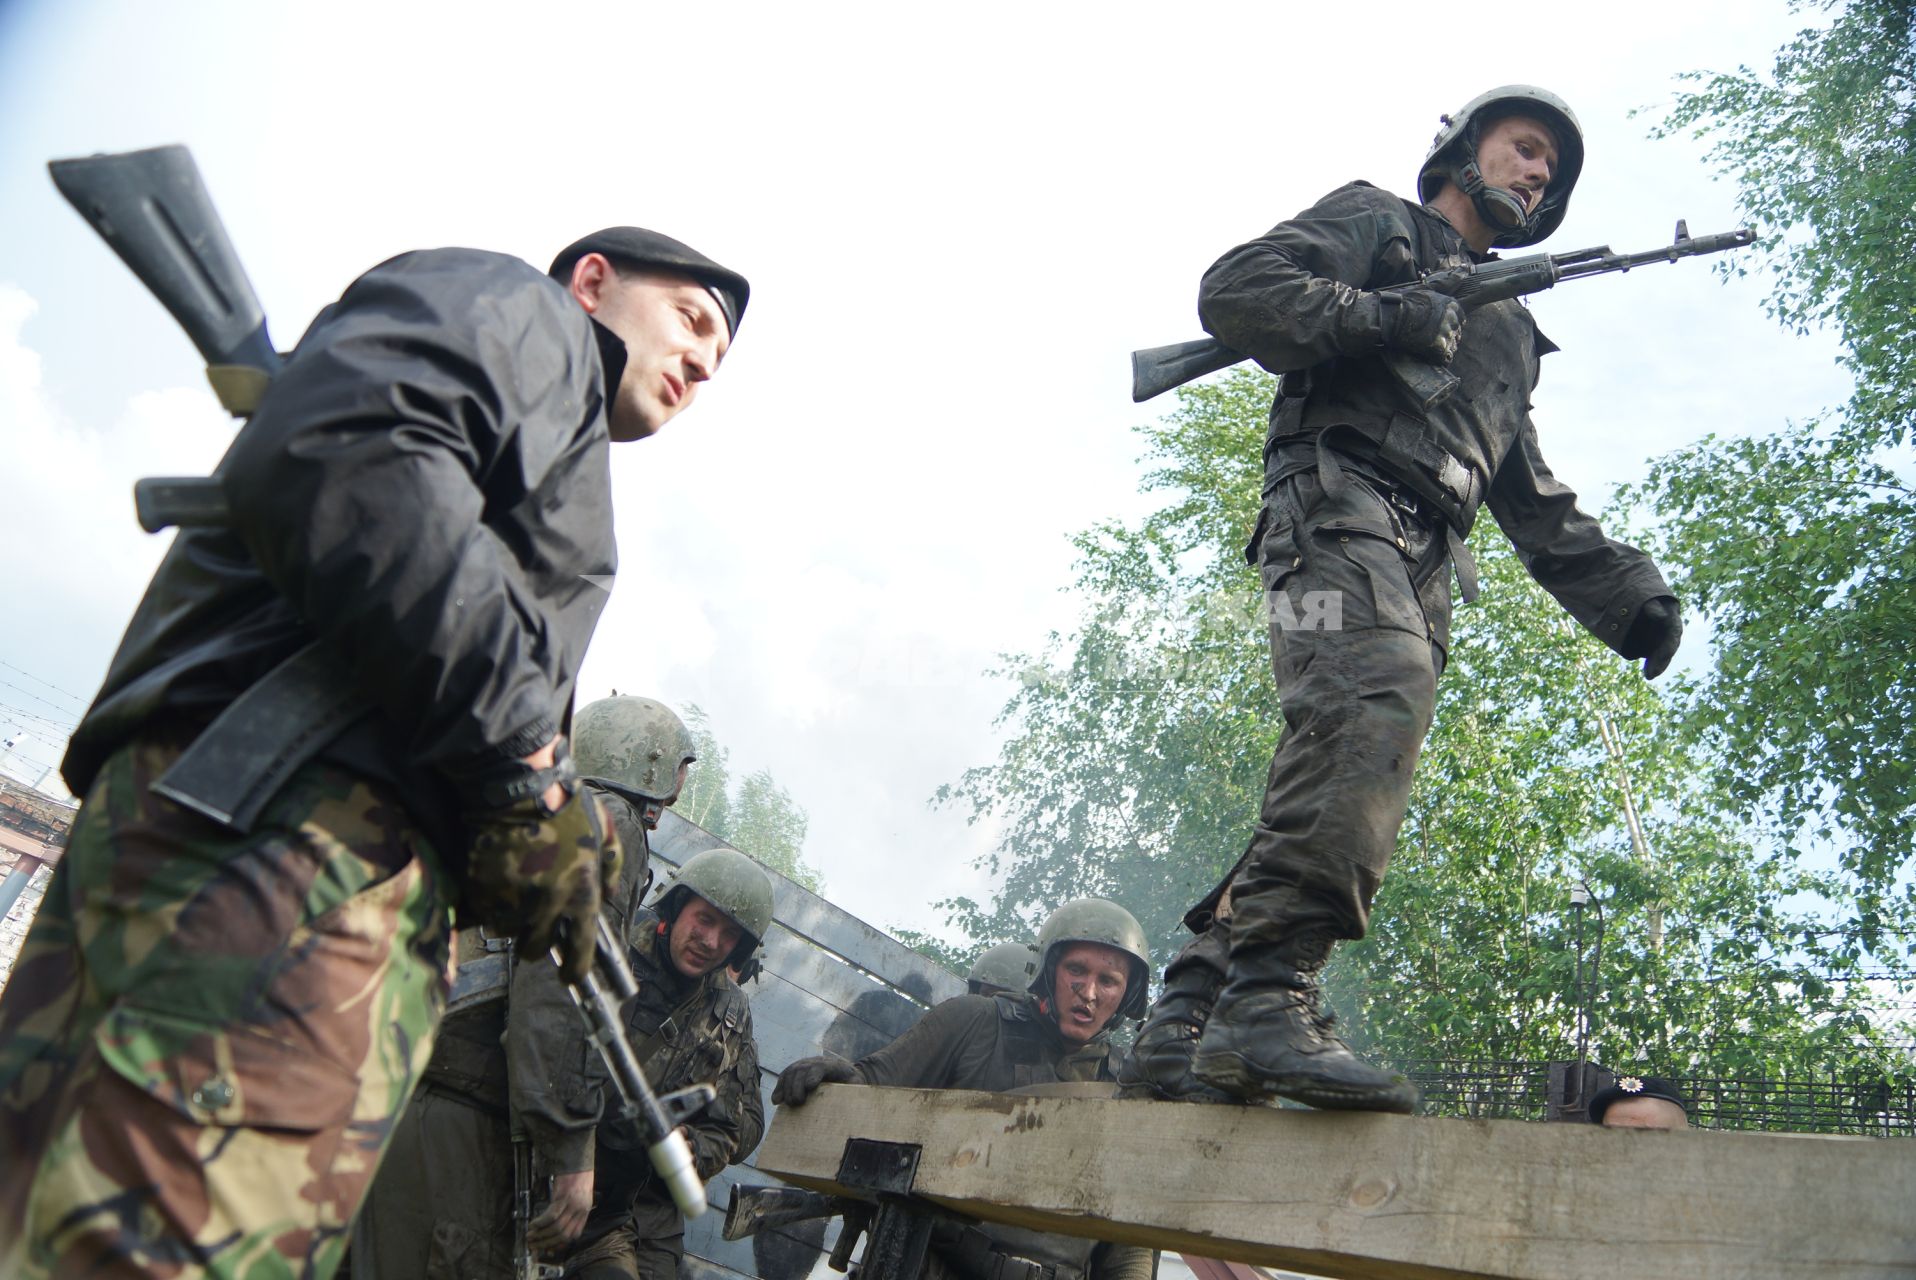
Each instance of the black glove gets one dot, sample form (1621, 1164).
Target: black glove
(1655, 635)
(1422, 323)
(801, 1080)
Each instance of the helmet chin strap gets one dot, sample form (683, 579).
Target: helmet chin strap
(1499, 207)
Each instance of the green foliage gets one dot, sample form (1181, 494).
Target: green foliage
(1823, 158)
(1800, 546)
(1138, 750)
(758, 816)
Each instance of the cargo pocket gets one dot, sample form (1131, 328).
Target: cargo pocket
(1382, 555)
(236, 1077)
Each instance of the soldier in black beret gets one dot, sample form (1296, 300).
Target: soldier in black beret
(1640, 1102)
(373, 664)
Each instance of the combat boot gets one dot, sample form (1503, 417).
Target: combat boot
(1160, 1060)
(1159, 1064)
(1270, 1036)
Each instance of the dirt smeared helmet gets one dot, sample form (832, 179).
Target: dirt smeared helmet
(1106, 923)
(1453, 158)
(633, 747)
(1009, 966)
(733, 883)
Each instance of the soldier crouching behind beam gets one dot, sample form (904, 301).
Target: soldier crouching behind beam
(1093, 969)
(508, 1124)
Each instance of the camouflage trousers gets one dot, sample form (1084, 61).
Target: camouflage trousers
(208, 1037)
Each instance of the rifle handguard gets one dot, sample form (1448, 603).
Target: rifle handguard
(672, 1161)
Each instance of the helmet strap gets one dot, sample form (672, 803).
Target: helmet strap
(1498, 207)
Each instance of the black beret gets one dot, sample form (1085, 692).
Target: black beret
(637, 247)
(1635, 1087)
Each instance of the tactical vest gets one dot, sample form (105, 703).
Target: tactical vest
(699, 1040)
(1353, 404)
(1031, 1045)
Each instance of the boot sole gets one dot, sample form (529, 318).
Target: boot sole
(1236, 1075)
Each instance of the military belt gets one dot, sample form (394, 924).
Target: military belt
(240, 761)
(1402, 448)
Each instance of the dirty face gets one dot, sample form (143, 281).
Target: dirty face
(1088, 989)
(701, 938)
(1518, 154)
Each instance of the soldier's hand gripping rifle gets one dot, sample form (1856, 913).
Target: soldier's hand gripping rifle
(1158, 369)
(658, 1118)
(153, 209)
(671, 1155)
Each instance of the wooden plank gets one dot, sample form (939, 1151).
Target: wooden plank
(1360, 1196)
(810, 916)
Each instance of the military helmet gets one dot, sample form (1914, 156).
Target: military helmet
(1009, 966)
(734, 884)
(1453, 157)
(632, 746)
(1100, 921)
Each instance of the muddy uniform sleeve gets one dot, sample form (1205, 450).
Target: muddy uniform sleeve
(1600, 582)
(553, 1099)
(1284, 299)
(731, 1127)
(441, 386)
(925, 1056)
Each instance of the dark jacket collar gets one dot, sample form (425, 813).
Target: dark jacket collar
(612, 355)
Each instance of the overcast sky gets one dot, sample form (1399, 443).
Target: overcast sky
(957, 220)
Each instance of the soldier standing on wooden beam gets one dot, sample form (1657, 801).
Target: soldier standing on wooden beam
(1367, 499)
(1093, 969)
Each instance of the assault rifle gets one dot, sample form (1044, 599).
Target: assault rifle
(1158, 369)
(153, 209)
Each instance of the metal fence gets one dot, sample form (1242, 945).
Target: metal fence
(1558, 1091)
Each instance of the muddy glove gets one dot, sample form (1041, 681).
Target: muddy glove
(1655, 635)
(1422, 323)
(801, 1080)
(534, 869)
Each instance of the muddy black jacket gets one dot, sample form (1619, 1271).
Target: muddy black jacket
(1276, 300)
(425, 488)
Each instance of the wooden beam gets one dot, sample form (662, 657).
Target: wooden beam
(1360, 1196)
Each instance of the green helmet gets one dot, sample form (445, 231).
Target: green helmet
(734, 884)
(632, 746)
(1453, 158)
(1009, 966)
(1096, 920)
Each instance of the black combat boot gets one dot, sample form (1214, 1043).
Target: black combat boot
(1271, 1037)
(1159, 1064)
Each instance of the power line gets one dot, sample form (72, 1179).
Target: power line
(36, 697)
(21, 715)
(42, 680)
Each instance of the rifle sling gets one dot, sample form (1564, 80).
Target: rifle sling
(240, 761)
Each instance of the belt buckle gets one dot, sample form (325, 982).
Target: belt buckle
(1405, 502)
